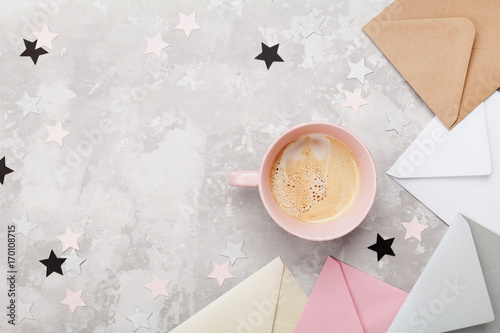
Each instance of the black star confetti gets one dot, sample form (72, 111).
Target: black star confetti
(269, 54)
(53, 263)
(31, 51)
(382, 247)
(4, 170)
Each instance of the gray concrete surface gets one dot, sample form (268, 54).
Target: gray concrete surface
(149, 193)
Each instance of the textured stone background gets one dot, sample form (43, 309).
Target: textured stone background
(150, 196)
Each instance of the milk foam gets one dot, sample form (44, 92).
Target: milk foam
(315, 179)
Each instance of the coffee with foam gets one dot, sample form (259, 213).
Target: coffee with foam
(315, 179)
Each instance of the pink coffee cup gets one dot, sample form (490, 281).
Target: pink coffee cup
(322, 231)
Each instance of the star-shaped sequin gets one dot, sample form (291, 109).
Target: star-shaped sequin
(269, 55)
(53, 263)
(158, 287)
(358, 70)
(234, 252)
(140, 319)
(23, 225)
(73, 262)
(44, 37)
(220, 273)
(69, 239)
(73, 299)
(312, 25)
(187, 23)
(382, 247)
(396, 122)
(24, 311)
(354, 100)
(31, 51)
(155, 45)
(28, 104)
(414, 229)
(4, 170)
(56, 134)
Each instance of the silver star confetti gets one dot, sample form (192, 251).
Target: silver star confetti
(234, 252)
(23, 226)
(358, 70)
(312, 25)
(396, 122)
(140, 319)
(73, 262)
(24, 311)
(28, 104)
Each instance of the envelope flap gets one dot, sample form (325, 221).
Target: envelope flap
(291, 302)
(488, 248)
(413, 9)
(377, 302)
(438, 152)
(451, 292)
(484, 14)
(487, 243)
(330, 306)
(432, 55)
(250, 306)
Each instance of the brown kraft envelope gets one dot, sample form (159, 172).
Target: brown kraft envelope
(447, 50)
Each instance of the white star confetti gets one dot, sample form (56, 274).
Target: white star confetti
(24, 311)
(234, 252)
(359, 70)
(73, 262)
(23, 226)
(140, 319)
(28, 104)
(312, 25)
(396, 122)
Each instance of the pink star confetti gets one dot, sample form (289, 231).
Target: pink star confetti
(158, 287)
(69, 239)
(354, 99)
(414, 229)
(44, 37)
(220, 272)
(56, 134)
(155, 45)
(187, 23)
(73, 299)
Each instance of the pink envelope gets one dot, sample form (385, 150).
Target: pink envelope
(345, 299)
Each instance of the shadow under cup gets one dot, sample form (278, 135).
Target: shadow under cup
(347, 221)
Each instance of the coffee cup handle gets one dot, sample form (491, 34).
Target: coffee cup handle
(243, 178)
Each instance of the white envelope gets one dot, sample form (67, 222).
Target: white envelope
(459, 169)
(457, 287)
(268, 301)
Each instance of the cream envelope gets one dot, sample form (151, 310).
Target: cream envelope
(345, 299)
(452, 291)
(268, 301)
(459, 169)
(447, 50)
